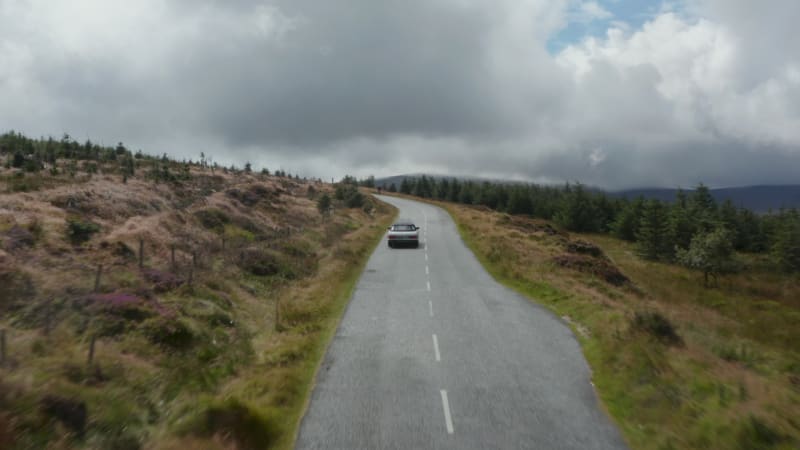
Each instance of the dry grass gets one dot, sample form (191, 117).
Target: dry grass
(175, 366)
(733, 380)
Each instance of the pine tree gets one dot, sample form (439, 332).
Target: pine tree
(626, 224)
(405, 186)
(729, 218)
(324, 204)
(703, 209)
(786, 247)
(519, 201)
(422, 188)
(19, 160)
(454, 192)
(751, 232)
(442, 188)
(465, 194)
(652, 237)
(577, 211)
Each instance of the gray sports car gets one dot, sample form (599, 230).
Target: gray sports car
(403, 233)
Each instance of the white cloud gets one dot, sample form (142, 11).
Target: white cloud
(597, 156)
(697, 67)
(589, 11)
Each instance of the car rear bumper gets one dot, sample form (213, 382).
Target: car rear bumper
(407, 242)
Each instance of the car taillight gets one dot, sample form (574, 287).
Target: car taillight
(392, 237)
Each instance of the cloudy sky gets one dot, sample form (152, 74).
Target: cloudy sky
(612, 93)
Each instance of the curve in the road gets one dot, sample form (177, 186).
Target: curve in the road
(433, 353)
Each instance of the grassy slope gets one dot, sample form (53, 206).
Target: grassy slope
(201, 366)
(733, 383)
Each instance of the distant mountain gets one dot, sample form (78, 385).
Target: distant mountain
(396, 180)
(754, 198)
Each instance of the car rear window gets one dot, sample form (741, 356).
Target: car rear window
(403, 228)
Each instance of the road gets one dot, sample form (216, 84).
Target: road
(433, 353)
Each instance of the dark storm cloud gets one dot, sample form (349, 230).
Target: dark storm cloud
(372, 69)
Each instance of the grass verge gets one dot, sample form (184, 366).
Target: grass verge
(341, 290)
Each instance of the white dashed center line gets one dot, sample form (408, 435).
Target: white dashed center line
(447, 419)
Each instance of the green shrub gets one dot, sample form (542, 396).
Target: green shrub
(18, 160)
(234, 234)
(367, 207)
(168, 332)
(755, 434)
(239, 422)
(291, 262)
(355, 200)
(656, 325)
(213, 219)
(711, 253)
(324, 204)
(350, 195)
(259, 262)
(79, 231)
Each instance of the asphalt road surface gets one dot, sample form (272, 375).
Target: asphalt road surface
(433, 353)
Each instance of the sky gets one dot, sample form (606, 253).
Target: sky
(611, 93)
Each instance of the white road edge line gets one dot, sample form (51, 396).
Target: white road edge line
(447, 419)
(430, 307)
(427, 270)
(436, 348)
(429, 286)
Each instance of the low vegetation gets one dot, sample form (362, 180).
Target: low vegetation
(678, 365)
(151, 303)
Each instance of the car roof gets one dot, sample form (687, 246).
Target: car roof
(404, 222)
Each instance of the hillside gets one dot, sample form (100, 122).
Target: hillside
(148, 303)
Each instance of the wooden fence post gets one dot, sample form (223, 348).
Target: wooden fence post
(141, 253)
(97, 278)
(277, 314)
(48, 320)
(91, 351)
(2, 347)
